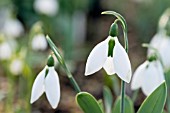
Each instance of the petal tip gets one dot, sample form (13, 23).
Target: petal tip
(54, 106)
(32, 101)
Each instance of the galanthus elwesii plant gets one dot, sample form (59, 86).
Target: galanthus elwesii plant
(47, 81)
(148, 76)
(110, 55)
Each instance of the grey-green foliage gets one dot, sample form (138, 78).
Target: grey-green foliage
(108, 99)
(88, 103)
(156, 101)
(128, 105)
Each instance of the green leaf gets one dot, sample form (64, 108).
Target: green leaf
(108, 99)
(88, 103)
(128, 105)
(156, 101)
(100, 101)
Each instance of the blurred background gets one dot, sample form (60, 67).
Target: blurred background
(75, 26)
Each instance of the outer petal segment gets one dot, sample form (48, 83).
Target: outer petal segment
(153, 77)
(52, 87)
(38, 86)
(137, 79)
(121, 62)
(97, 57)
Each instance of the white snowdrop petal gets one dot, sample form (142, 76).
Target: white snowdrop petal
(39, 42)
(97, 58)
(121, 62)
(52, 87)
(165, 55)
(48, 7)
(5, 51)
(155, 42)
(108, 66)
(38, 86)
(137, 78)
(13, 28)
(16, 66)
(151, 79)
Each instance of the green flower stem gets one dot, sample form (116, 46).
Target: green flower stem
(62, 63)
(122, 105)
(124, 26)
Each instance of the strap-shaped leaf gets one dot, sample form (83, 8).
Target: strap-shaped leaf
(128, 105)
(88, 103)
(155, 102)
(108, 99)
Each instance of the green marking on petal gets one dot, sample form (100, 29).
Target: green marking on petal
(46, 72)
(111, 47)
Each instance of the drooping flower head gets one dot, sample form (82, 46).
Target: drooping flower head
(47, 82)
(110, 55)
(13, 28)
(148, 76)
(39, 42)
(47, 7)
(161, 41)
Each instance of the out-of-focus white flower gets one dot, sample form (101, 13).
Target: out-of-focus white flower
(16, 66)
(39, 42)
(5, 51)
(148, 76)
(47, 7)
(117, 62)
(161, 42)
(13, 28)
(47, 81)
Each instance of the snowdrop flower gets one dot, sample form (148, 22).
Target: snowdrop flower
(16, 66)
(47, 7)
(148, 76)
(13, 28)
(110, 55)
(39, 42)
(47, 81)
(5, 51)
(161, 42)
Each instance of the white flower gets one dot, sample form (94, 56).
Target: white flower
(13, 28)
(148, 76)
(49, 84)
(47, 7)
(119, 63)
(161, 42)
(39, 42)
(5, 51)
(16, 66)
